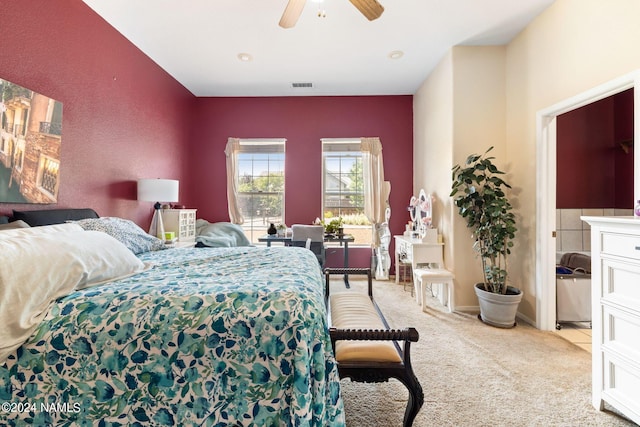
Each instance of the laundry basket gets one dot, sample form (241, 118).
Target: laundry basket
(573, 290)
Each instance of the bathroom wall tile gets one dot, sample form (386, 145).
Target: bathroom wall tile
(623, 212)
(593, 212)
(558, 219)
(609, 212)
(590, 212)
(586, 240)
(570, 219)
(572, 240)
(559, 240)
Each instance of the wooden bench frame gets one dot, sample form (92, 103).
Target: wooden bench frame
(375, 372)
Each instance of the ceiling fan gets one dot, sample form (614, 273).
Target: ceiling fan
(371, 9)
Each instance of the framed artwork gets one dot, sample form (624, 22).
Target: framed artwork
(30, 139)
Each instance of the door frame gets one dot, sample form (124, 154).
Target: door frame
(546, 185)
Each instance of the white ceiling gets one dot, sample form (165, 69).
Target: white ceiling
(198, 42)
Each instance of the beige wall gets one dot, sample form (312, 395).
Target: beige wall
(571, 47)
(433, 139)
(459, 110)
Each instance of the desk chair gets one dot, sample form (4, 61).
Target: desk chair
(310, 237)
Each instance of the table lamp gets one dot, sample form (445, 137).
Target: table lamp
(158, 190)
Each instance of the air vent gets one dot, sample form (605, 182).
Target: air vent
(302, 85)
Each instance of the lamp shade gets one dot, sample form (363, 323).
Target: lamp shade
(158, 190)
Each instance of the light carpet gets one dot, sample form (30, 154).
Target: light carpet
(473, 374)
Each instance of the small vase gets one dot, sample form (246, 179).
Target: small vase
(272, 230)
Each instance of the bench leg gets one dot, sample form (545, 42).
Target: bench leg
(416, 398)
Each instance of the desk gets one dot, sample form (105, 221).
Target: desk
(274, 238)
(344, 239)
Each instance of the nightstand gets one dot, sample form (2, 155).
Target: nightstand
(182, 222)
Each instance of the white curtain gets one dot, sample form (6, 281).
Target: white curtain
(231, 151)
(375, 192)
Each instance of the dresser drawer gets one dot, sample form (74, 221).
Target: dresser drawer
(621, 283)
(622, 245)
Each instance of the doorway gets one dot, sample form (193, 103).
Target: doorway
(546, 132)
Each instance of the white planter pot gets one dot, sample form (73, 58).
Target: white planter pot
(497, 309)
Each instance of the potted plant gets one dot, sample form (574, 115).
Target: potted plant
(479, 194)
(335, 226)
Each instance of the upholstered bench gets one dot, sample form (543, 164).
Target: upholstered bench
(366, 349)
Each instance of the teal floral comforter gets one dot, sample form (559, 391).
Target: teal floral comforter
(208, 336)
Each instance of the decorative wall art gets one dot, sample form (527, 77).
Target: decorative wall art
(30, 139)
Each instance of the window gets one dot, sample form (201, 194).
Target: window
(48, 175)
(260, 177)
(343, 187)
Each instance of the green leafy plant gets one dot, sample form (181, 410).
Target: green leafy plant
(479, 194)
(333, 225)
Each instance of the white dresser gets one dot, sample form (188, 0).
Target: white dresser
(615, 290)
(182, 222)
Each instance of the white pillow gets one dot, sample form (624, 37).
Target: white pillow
(13, 225)
(39, 268)
(45, 229)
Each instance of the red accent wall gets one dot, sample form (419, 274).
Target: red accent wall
(303, 121)
(593, 171)
(124, 117)
(623, 128)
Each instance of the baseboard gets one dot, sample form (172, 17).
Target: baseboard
(526, 319)
(472, 309)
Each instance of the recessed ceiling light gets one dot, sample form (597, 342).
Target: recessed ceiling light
(245, 57)
(396, 54)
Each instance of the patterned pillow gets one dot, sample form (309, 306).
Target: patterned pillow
(126, 231)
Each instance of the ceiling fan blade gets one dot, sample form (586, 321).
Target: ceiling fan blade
(371, 9)
(292, 13)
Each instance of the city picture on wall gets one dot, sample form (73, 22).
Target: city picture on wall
(30, 139)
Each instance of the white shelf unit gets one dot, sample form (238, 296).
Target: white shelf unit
(182, 222)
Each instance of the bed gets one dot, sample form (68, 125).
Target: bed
(196, 336)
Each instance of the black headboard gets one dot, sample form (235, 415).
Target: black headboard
(52, 216)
